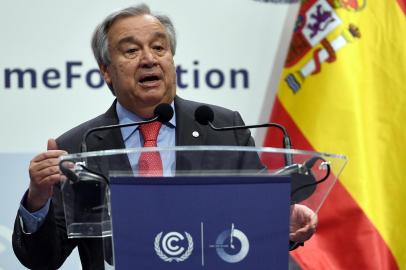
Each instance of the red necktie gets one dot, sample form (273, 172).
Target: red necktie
(150, 163)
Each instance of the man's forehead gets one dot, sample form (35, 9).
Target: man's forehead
(134, 39)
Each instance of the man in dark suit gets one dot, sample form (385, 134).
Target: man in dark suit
(134, 50)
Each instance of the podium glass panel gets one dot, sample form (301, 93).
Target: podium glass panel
(86, 190)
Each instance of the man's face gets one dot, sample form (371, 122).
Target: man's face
(141, 71)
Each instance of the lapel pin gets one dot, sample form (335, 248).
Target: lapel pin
(195, 134)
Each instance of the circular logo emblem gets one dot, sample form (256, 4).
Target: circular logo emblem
(174, 246)
(232, 245)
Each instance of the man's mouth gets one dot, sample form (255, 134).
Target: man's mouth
(149, 80)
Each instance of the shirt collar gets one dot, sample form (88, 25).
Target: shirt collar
(125, 117)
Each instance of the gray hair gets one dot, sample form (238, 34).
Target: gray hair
(100, 41)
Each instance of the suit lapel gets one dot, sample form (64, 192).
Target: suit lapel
(106, 139)
(109, 139)
(186, 125)
(188, 133)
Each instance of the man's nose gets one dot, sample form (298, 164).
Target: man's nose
(148, 59)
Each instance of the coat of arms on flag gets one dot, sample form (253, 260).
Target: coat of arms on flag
(319, 33)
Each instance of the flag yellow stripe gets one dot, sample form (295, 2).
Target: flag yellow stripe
(357, 106)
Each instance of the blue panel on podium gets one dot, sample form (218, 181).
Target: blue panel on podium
(200, 222)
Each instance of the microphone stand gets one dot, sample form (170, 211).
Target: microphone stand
(88, 132)
(286, 140)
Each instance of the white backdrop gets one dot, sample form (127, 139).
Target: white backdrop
(42, 37)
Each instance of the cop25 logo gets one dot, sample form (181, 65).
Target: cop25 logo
(232, 245)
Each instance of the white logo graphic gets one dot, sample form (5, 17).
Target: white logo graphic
(228, 250)
(173, 251)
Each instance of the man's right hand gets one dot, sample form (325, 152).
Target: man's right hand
(44, 173)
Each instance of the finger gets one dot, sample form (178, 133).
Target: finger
(51, 145)
(52, 179)
(37, 177)
(38, 166)
(314, 221)
(298, 237)
(48, 181)
(49, 154)
(292, 237)
(302, 234)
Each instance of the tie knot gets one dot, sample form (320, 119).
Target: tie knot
(150, 133)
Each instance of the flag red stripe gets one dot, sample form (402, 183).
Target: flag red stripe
(347, 233)
(402, 4)
(345, 238)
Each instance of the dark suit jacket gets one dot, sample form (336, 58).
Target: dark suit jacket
(49, 246)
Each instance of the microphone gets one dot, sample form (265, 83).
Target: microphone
(162, 113)
(204, 115)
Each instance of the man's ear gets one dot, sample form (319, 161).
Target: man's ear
(105, 73)
(107, 78)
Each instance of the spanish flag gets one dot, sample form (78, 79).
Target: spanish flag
(343, 91)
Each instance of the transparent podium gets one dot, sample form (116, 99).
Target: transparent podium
(211, 207)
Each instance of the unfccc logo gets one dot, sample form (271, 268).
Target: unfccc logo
(172, 249)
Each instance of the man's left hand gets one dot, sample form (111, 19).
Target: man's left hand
(303, 222)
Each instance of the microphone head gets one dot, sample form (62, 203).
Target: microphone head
(308, 164)
(302, 186)
(204, 114)
(164, 112)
